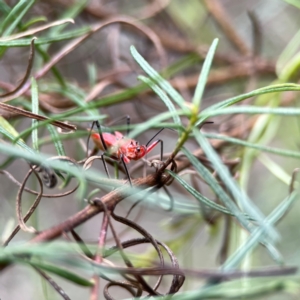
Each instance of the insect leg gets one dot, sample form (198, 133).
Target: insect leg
(206, 122)
(105, 165)
(100, 134)
(155, 143)
(125, 168)
(156, 134)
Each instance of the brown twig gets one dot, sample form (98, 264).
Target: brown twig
(218, 12)
(21, 219)
(221, 75)
(89, 211)
(59, 195)
(149, 237)
(178, 278)
(99, 254)
(13, 94)
(22, 112)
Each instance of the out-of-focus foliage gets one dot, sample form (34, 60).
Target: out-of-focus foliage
(218, 217)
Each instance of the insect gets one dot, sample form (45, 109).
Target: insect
(121, 148)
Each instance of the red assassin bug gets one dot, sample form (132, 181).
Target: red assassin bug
(117, 146)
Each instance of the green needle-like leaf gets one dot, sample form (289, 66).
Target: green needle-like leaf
(200, 197)
(8, 131)
(15, 16)
(235, 259)
(61, 272)
(204, 74)
(239, 195)
(165, 85)
(163, 97)
(281, 152)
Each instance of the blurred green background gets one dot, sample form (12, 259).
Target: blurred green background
(258, 46)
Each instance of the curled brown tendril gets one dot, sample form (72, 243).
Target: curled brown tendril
(23, 219)
(130, 287)
(138, 285)
(178, 278)
(59, 195)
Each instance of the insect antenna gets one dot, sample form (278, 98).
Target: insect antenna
(128, 124)
(127, 117)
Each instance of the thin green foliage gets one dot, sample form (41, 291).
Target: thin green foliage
(184, 115)
(4, 8)
(71, 34)
(235, 259)
(235, 141)
(40, 159)
(293, 2)
(202, 198)
(204, 74)
(71, 13)
(210, 111)
(18, 12)
(256, 287)
(13, 18)
(9, 132)
(165, 85)
(283, 111)
(33, 21)
(218, 190)
(163, 97)
(56, 140)
(287, 54)
(239, 195)
(62, 272)
(154, 122)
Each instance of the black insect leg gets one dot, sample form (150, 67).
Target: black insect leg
(125, 168)
(100, 134)
(105, 165)
(158, 141)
